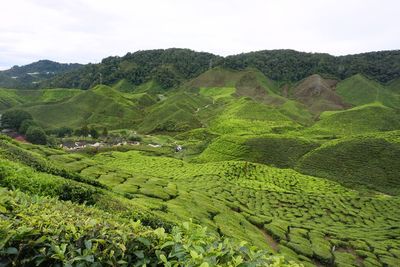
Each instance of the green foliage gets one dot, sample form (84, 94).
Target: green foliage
(359, 120)
(104, 132)
(25, 125)
(36, 135)
(139, 67)
(49, 232)
(63, 131)
(366, 161)
(14, 118)
(94, 133)
(290, 65)
(20, 76)
(358, 90)
(273, 150)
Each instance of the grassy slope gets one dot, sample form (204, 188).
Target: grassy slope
(291, 212)
(100, 105)
(276, 150)
(369, 161)
(362, 119)
(358, 90)
(176, 113)
(12, 97)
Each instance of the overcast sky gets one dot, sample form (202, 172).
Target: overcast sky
(88, 30)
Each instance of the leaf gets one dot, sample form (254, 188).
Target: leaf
(194, 254)
(12, 251)
(163, 258)
(185, 225)
(167, 244)
(139, 254)
(88, 258)
(204, 264)
(3, 209)
(122, 247)
(88, 244)
(144, 241)
(160, 232)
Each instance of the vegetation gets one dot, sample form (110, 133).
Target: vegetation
(36, 135)
(178, 158)
(14, 118)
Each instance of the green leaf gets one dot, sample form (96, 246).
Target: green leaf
(139, 254)
(185, 225)
(163, 258)
(88, 244)
(3, 209)
(204, 264)
(167, 244)
(144, 241)
(194, 254)
(12, 251)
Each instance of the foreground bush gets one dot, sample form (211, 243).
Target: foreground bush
(37, 231)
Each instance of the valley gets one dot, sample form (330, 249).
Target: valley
(299, 163)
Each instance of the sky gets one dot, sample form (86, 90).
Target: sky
(86, 31)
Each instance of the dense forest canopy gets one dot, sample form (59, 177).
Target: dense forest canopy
(290, 65)
(170, 67)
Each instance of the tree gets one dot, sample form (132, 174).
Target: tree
(105, 132)
(84, 131)
(36, 135)
(14, 118)
(64, 131)
(25, 126)
(94, 133)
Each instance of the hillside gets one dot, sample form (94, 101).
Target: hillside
(266, 206)
(28, 76)
(172, 67)
(318, 94)
(373, 117)
(358, 90)
(179, 158)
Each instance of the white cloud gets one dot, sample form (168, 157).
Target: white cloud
(89, 30)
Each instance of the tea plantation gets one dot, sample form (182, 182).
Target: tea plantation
(172, 164)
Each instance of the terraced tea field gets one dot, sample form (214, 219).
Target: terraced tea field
(308, 219)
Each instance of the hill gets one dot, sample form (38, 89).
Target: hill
(290, 65)
(172, 67)
(100, 105)
(373, 117)
(28, 76)
(232, 161)
(369, 161)
(358, 90)
(167, 67)
(318, 94)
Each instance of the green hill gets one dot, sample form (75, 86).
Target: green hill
(373, 117)
(176, 113)
(12, 97)
(358, 90)
(359, 161)
(274, 150)
(101, 105)
(259, 155)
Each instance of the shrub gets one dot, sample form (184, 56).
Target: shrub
(78, 193)
(135, 138)
(14, 118)
(36, 135)
(63, 131)
(47, 232)
(25, 126)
